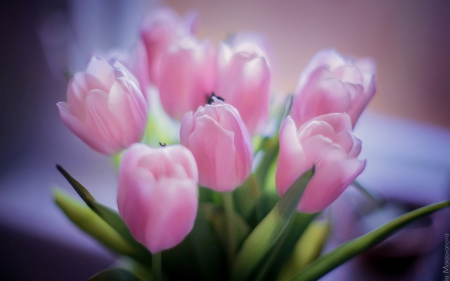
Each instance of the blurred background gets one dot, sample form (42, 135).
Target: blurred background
(405, 133)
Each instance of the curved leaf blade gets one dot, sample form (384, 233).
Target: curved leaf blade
(271, 228)
(110, 216)
(88, 221)
(328, 262)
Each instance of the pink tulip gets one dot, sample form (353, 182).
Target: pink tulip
(158, 195)
(221, 145)
(159, 30)
(326, 143)
(105, 108)
(331, 83)
(187, 76)
(244, 82)
(135, 60)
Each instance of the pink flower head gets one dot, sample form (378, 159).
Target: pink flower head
(158, 195)
(187, 76)
(159, 30)
(135, 60)
(331, 83)
(221, 145)
(327, 143)
(105, 108)
(244, 81)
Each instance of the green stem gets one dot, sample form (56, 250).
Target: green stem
(229, 211)
(271, 149)
(156, 267)
(366, 192)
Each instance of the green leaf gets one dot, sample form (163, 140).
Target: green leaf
(114, 274)
(306, 250)
(116, 159)
(270, 149)
(266, 203)
(110, 216)
(79, 188)
(199, 255)
(278, 256)
(91, 223)
(364, 191)
(141, 271)
(343, 253)
(215, 215)
(246, 197)
(267, 233)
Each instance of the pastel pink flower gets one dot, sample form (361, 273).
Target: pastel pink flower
(187, 75)
(244, 81)
(135, 60)
(158, 194)
(331, 83)
(159, 30)
(105, 107)
(221, 145)
(327, 143)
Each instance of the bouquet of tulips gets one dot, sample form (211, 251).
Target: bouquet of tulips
(217, 180)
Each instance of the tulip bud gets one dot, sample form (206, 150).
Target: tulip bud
(187, 76)
(159, 30)
(244, 82)
(327, 143)
(105, 108)
(331, 83)
(135, 60)
(221, 145)
(158, 194)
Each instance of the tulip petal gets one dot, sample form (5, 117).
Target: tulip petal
(185, 159)
(291, 160)
(174, 208)
(229, 120)
(214, 151)
(187, 127)
(101, 69)
(360, 104)
(315, 127)
(79, 86)
(157, 199)
(134, 209)
(176, 82)
(130, 109)
(318, 194)
(348, 74)
(129, 163)
(327, 96)
(80, 129)
(100, 120)
(314, 148)
(339, 121)
(349, 143)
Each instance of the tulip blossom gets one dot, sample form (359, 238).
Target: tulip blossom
(135, 60)
(159, 30)
(187, 76)
(158, 194)
(331, 83)
(105, 108)
(244, 82)
(327, 143)
(220, 143)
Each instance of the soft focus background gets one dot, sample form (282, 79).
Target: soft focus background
(405, 134)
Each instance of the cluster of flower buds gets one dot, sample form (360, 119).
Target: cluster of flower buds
(158, 187)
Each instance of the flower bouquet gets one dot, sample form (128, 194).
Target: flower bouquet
(217, 180)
